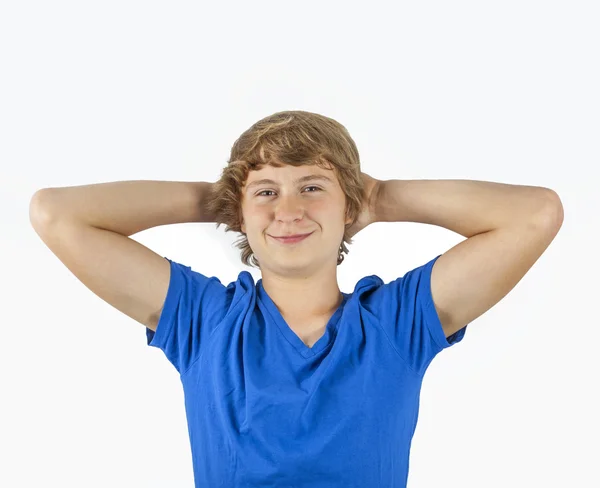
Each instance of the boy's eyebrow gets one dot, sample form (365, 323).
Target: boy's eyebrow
(299, 180)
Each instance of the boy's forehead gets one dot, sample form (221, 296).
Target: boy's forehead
(288, 171)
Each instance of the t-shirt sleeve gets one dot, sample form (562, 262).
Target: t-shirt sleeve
(193, 308)
(409, 317)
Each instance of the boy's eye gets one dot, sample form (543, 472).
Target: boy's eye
(260, 194)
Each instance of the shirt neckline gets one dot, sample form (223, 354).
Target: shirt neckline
(290, 335)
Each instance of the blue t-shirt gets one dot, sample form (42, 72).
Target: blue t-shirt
(265, 410)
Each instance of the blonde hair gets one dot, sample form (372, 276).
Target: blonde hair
(295, 138)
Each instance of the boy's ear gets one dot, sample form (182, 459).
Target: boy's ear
(348, 219)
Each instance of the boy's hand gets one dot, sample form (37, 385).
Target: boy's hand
(367, 214)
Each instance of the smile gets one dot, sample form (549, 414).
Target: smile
(291, 240)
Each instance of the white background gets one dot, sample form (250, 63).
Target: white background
(93, 92)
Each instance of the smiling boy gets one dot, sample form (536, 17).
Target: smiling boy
(289, 381)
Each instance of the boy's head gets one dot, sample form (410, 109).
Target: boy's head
(284, 147)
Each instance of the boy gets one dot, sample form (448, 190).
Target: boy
(289, 381)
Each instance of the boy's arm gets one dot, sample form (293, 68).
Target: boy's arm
(508, 227)
(87, 228)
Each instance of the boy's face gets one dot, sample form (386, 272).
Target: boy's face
(287, 206)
